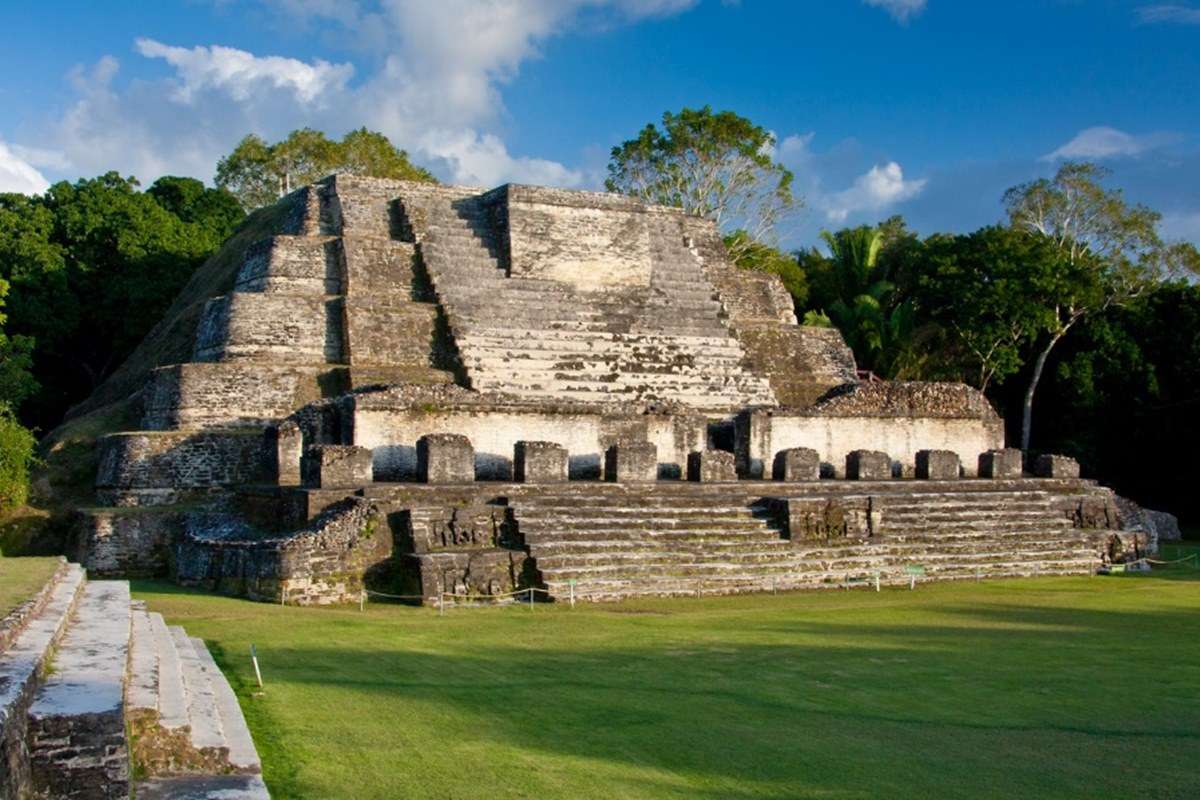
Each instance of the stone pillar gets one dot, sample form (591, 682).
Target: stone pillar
(797, 464)
(336, 466)
(868, 465)
(284, 452)
(710, 466)
(631, 462)
(1052, 466)
(539, 462)
(938, 465)
(1006, 463)
(445, 458)
(752, 442)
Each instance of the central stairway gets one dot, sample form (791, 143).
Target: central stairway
(608, 542)
(542, 338)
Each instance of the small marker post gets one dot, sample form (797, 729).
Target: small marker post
(362, 599)
(877, 588)
(531, 598)
(571, 585)
(257, 672)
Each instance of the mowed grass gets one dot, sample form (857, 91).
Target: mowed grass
(22, 578)
(1050, 688)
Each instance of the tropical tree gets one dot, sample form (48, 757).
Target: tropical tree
(1111, 252)
(92, 266)
(259, 173)
(987, 289)
(717, 165)
(853, 292)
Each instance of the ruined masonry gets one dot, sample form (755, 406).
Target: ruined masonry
(444, 393)
(90, 682)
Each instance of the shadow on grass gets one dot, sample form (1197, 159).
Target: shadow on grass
(1004, 694)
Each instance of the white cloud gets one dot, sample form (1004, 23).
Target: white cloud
(1183, 225)
(882, 186)
(18, 175)
(1104, 142)
(241, 74)
(435, 90)
(1168, 13)
(901, 10)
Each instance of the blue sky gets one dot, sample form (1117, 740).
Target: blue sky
(926, 108)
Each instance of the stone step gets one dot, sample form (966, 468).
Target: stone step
(13, 623)
(204, 787)
(204, 720)
(77, 718)
(242, 753)
(616, 590)
(784, 555)
(21, 664)
(650, 571)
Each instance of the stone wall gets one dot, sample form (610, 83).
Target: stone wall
(588, 240)
(292, 265)
(323, 563)
(124, 542)
(899, 419)
(391, 428)
(221, 395)
(273, 328)
(176, 460)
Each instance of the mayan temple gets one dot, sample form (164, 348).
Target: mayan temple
(432, 391)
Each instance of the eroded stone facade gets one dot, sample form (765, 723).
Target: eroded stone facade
(422, 389)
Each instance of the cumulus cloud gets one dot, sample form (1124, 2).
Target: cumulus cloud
(882, 186)
(901, 10)
(435, 88)
(241, 73)
(18, 175)
(1168, 13)
(1104, 142)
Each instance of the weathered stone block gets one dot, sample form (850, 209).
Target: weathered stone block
(539, 462)
(1006, 463)
(868, 465)
(709, 466)
(445, 458)
(284, 453)
(938, 465)
(329, 466)
(1052, 466)
(631, 462)
(797, 464)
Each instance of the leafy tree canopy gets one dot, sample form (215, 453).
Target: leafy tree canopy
(715, 164)
(93, 265)
(258, 173)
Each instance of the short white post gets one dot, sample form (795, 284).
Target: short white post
(912, 582)
(362, 599)
(571, 584)
(441, 604)
(877, 582)
(254, 658)
(531, 598)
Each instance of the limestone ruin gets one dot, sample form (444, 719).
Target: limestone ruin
(436, 391)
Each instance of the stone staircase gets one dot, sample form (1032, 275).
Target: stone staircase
(90, 680)
(540, 338)
(616, 542)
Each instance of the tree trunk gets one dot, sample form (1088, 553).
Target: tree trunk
(1027, 409)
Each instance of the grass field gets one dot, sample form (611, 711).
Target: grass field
(21, 578)
(1062, 687)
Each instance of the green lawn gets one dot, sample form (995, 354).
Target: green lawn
(21, 578)
(1072, 687)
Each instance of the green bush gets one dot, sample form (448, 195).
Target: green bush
(16, 457)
